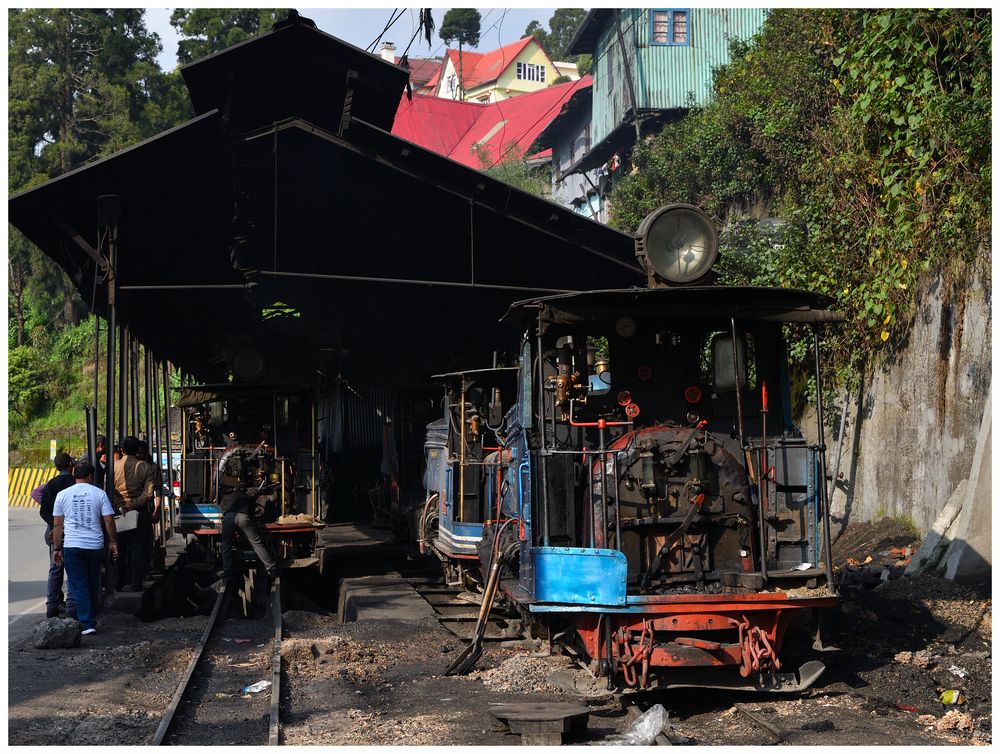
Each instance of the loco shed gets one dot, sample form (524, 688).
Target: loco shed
(285, 244)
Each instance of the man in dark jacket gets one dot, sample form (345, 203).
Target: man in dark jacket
(54, 603)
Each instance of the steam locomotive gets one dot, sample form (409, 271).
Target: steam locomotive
(667, 514)
(464, 469)
(250, 439)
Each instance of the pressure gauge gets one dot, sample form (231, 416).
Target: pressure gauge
(677, 244)
(625, 327)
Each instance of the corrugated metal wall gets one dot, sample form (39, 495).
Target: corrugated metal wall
(665, 76)
(371, 377)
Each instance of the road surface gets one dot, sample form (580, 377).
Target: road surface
(27, 570)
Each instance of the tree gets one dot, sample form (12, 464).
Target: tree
(207, 30)
(562, 28)
(460, 25)
(80, 82)
(536, 30)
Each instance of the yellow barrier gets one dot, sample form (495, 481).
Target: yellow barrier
(20, 483)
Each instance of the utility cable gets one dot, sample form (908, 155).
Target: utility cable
(389, 25)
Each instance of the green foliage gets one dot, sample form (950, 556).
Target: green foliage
(512, 169)
(82, 84)
(536, 30)
(27, 374)
(460, 25)
(207, 30)
(866, 132)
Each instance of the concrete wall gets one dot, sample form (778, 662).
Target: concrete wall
(913, 435)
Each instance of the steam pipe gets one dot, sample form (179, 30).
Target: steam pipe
(461, 455)
(599, 519)
(544, 484)
(822, 461)
(746, 455)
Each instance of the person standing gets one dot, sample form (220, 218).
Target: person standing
(79, 515)
(134, 491)
(54, 603)
(100, 452)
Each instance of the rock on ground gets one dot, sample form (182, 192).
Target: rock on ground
(57, 633)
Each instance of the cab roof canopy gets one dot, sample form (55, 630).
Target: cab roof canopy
(286, 219)
(702, 303)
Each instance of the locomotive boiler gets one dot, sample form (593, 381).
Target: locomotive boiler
(670, 517)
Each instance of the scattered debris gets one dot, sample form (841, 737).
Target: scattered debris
(956, 670)
(522, 673)
(921, 659)
(644, 730)
(256, 687)
(954, 720)
(952, 696)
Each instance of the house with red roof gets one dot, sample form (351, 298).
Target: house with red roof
(421, 70)
(519, 68)
(482, 134)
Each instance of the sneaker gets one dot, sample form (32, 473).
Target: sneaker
(88, 631)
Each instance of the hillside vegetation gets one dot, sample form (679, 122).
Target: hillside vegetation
(867, 133)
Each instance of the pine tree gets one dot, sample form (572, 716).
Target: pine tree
(207, 30)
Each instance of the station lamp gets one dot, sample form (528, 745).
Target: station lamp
(677, 245)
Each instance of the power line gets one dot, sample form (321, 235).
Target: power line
(392, 21)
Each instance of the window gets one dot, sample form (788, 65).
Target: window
(669, 27)
(531, 72)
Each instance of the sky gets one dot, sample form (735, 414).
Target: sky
(361, 27)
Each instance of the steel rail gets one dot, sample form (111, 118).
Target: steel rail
(274, 728)
(159, 738)
(168, 715)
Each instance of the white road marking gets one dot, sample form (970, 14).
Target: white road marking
(26, 611)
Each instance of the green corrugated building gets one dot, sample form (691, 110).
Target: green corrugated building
(668, 54)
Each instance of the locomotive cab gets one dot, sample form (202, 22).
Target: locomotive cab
(250, 439)
(464, 459)
(670, 511)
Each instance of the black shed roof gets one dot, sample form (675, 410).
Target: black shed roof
(286, 218)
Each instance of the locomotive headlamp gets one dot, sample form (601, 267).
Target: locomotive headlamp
(677, 244)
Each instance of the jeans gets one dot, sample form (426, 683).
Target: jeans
(242, 521)
(55, 586)
(83, 571)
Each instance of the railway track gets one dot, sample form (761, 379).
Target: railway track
(209, 706)
(457, 610)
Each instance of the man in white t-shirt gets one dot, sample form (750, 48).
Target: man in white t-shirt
(80, 513)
